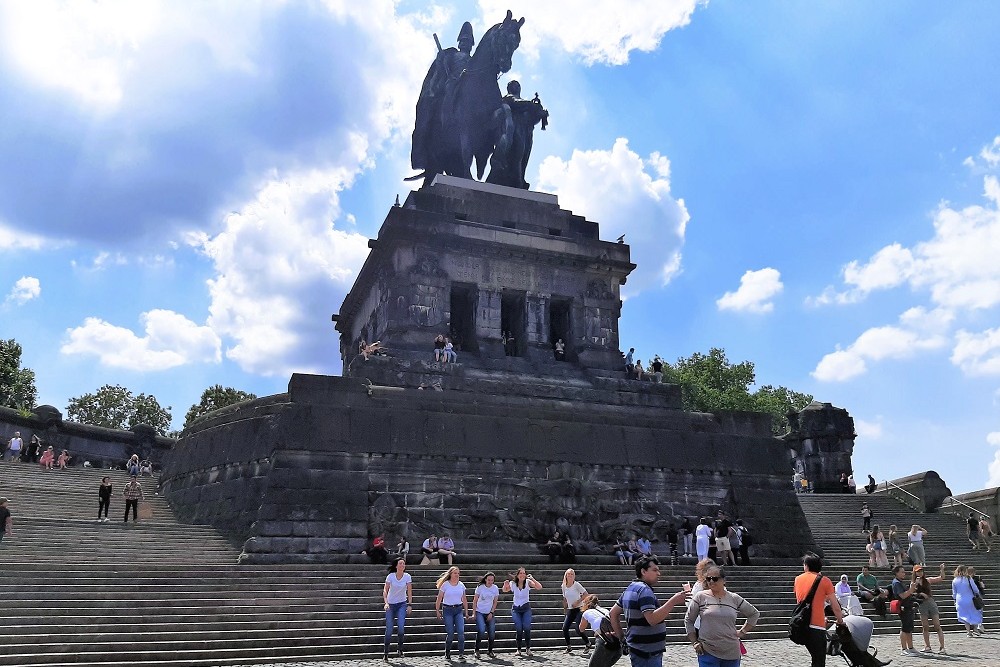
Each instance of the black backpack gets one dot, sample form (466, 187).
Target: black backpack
(746, 539)
(798, 625)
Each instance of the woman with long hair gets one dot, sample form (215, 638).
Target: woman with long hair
(717, 641)
(893, 549)
(397, 596)
(452, 605)
(964, 591)
(573, 593)
(520, 584)
(929, 614)
(607, 647)
(484, 604)
(876, 541)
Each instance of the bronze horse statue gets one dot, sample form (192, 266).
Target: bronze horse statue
(472, 119)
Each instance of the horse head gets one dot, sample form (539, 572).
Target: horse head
(500, 42)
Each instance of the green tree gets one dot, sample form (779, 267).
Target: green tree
(710, 383)
(114, 406)
(213, 398)
(17, 385)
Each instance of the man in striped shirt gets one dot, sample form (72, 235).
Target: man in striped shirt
(646, 631)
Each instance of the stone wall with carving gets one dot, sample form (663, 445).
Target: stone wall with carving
(318, 472)
(821, 444)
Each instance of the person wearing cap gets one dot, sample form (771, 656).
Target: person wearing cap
(6, 521)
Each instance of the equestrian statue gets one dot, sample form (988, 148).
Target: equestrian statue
(462, 117)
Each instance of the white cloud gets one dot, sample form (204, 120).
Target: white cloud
(875, 344)
(868, 430)
(14, 239)
(754, 295)
(957, 267)
(626, 195)
(170, 340)
(598, 31)
(281, 269)
(989, 154)
(994, 467)
(25, 289)
(977, 353)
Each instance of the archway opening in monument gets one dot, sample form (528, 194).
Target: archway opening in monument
(513, 322)
(559, 326)
(462, 329)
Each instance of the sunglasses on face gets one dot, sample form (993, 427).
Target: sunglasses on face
(712, 580)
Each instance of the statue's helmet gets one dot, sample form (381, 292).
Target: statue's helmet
(465, 35)
(514, 87)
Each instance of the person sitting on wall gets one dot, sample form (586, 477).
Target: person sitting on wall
(560, 347)
(554, 546)
(429, 550)
(870, 486)
(449, 352)
(63, 459)
(403, 548)
(439, 348)
(446, 548)
(567, 550)
(378, 554)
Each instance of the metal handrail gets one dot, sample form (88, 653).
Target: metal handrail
(956, 500)
(896, 486)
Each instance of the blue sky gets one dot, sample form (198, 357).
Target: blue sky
(187, 190)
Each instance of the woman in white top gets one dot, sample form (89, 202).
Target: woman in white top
(703, 533)
(607, 647)
(520, 584)
(484, 604)
(916, 552)
(573, 593)
(397, 596)
(452, 605)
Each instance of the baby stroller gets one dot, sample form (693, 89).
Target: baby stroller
(851, 642)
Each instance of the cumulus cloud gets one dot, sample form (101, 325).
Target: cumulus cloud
(133, 117)
(957, 267)
(875, 344)
(977, 353)
(281, 269)
(15, 239)
(994, 467)
(169, 340)
(25, 289)
(627, 195)
(868, 430)
(597, 31)
(754, 295)
(989, 156)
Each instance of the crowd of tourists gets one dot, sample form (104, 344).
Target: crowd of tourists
(720, 539)
(634, 624)
(908, 594)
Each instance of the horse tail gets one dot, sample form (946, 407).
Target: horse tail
(422, 174)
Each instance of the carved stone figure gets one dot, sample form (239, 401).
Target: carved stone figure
(462, 116)
(509, 167)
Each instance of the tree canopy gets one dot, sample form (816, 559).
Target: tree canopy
(114, 406)
(710, 383)
(17, 385)
(213, 398)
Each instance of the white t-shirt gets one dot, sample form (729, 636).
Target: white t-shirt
(919, 537)
(397, 587)
(573, 594)
(487, 594)
(703, 531)
(15, 444)
(521, 595)
(594, 619)
(453, 593)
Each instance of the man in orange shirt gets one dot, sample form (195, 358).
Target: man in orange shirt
(811, 568)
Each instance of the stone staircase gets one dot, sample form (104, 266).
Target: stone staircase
(835, 522)
(78, 592)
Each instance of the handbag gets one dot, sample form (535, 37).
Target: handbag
(798, 624)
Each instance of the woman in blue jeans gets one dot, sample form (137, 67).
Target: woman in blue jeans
(453, 606)
(484, 604)
(520, 584)
(398, 596)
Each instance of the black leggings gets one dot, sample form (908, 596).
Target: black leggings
(573, 620)
(103, 504)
